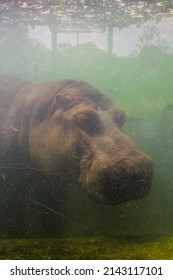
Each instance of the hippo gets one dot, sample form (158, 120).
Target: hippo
(69, 131)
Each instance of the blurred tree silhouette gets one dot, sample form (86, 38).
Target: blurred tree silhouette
(151, 37)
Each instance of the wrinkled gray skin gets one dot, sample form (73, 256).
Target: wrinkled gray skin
(70, 129)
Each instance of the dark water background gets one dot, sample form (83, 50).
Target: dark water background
(140, 82)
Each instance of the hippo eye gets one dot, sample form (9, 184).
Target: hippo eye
(89, 122)
(119, 118)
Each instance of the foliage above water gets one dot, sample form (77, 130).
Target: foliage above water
(100, 13)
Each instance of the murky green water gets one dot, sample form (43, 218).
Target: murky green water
(133, 67)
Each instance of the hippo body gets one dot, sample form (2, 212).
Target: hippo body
(69, 133)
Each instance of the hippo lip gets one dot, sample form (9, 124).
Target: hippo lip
(120, 192)
(129, 186)
(126, 188)
(126, 180)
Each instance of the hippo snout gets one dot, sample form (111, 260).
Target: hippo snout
(120, 181)
(130, 180)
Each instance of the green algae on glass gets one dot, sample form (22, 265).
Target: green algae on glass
(119, 248)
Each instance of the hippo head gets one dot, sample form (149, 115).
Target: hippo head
(78, 135)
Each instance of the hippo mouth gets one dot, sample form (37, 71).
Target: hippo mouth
(125, 185)
(126, 180)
